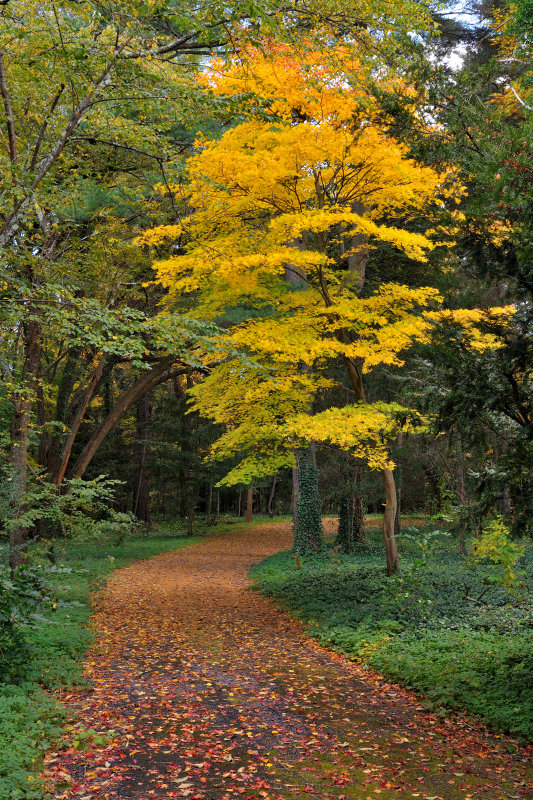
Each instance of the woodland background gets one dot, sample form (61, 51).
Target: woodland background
(271, 261)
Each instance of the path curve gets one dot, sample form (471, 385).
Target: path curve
(211, 693)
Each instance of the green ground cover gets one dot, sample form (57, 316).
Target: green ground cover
(441, 627)
(30, 717)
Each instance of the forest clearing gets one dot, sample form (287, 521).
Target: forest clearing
(266, 399)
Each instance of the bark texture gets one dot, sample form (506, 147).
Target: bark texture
(249, 503)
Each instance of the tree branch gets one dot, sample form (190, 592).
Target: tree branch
(150, 379)
(11, 137)
(42, 131)
(177, 44)
(78, 418)
(12, 223)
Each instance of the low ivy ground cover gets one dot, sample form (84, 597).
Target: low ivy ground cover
(51, 654)
(441, 627)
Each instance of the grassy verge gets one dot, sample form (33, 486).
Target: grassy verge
(30, 717)
(439, 628)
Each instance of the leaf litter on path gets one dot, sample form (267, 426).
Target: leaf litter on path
(204, 690)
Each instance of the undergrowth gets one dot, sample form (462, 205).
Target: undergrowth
(441, 627)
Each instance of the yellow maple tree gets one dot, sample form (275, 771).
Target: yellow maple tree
(284, 213)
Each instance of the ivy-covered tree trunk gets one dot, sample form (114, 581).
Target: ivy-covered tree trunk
(308, 532)
(358, 519)
(345, 538)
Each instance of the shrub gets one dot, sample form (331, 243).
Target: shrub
(496, 547)
(22, 596)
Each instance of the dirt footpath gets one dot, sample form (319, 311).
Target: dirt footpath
(202, 689)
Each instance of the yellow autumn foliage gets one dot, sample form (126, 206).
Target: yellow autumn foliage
(281, 212)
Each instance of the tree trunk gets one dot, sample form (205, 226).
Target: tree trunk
(270, 510)
(190, 520)
(295, 497)
(125, 401)
(209, 504)
(358, 519)
(389, 522)
(141, 494)
(76, 422)
(249, 503)
(22, 400)
(64, 392)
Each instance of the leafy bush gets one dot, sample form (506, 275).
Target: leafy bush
(443, 627)
(29, 723)
(496, 546)
(82, 509)
(22, 597)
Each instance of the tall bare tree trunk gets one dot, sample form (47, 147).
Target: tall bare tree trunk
(22, 399)
(190, 519)
(389, 522)
(249, 503)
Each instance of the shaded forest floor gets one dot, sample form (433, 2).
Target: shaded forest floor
(200, 688)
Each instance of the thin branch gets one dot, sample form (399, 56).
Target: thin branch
(109, 143)
(44, 126)
(525, 105)
(11, 137)
(175, 45)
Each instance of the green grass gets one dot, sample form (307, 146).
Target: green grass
(426, 628)
(30, 718)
